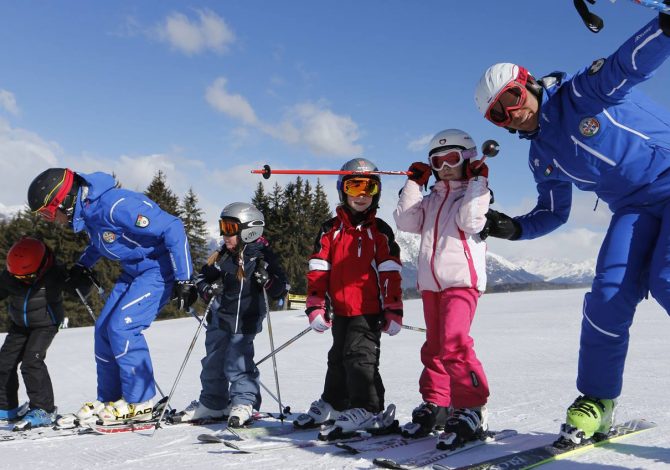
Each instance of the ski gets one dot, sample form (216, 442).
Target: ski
(219, 437)
(384, 444)
(433, 455)
(289, 444)
(43, 433)
(537, 456)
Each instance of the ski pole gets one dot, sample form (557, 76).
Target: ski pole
(266, 171)
(183, 364)
(302, 333)
(272, 350)
(414, 328)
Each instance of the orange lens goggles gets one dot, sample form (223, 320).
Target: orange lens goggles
(25, 277)
(229, 227)
(360, 187)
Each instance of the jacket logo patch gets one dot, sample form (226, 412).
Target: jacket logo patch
(548, 170)
(589, 126)
(108, 237)
(596, 66)
(142, 221)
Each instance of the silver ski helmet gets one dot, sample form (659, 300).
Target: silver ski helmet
(362, 165)
(242, 219)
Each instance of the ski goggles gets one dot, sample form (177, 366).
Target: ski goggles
(229, 227)
(25, 277)
(361, 187)
(54, 203)
(452, 158)
(511, 97)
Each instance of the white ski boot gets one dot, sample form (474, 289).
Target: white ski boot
(465, 424)
(121, 411)
(320, 412)
(240, 415)
(358, 420)
(196, 412)
(87, 414)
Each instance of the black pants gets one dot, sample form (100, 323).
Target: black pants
(352, 379)
(27, 346)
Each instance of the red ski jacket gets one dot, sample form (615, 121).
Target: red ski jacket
(356, 265)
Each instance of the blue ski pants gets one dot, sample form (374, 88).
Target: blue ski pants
(121, 351)
(634, 259)
(229, 375)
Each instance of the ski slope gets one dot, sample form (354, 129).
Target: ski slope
(527, 341)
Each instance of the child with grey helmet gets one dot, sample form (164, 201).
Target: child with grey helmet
(451, 277)
(355, 270)
(236, 274)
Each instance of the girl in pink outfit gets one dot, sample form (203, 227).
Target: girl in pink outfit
(451, 277)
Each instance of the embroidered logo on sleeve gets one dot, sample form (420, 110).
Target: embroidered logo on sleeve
(589, 126)
(596, 66)
(108, 237)
(142, 221)
(548, 170)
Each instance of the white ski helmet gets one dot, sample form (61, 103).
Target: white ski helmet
(494, 80)
(358, 164)
(251, 220)
(450, 138)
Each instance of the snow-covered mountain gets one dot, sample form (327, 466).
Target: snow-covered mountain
(501, 271)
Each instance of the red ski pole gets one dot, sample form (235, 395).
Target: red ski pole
(266, 171)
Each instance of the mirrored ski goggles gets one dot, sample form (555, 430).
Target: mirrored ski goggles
(451, 157)
(25, 277)
(512, 98)
(229, 227)
(360, 187)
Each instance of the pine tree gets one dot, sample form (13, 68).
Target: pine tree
(159, 192)
(195, 226)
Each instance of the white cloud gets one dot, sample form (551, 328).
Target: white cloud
(311, 124)
(23, 155)
(8, 102)
(208, 32)
(420, 143)
(235, 106)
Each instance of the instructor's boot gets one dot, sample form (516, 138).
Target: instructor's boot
(587, 417)
(121, 411)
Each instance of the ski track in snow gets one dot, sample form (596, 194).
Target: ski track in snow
(527, 341)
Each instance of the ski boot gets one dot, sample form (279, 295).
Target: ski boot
(240, 415)
(14, 414)
(320, 412)
(87, 414)
(426, 418)
(465, 424)
(121, 411)
(356, 420)
(197, 412)
(587, 418)
(35, 418)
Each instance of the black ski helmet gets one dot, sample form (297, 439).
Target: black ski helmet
(362, 165)
(53, 189)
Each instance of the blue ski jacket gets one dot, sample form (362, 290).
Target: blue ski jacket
(128, 227)
(600, 134)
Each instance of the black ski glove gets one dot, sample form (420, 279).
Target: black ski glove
(500, 225)
(79, 278)
(184, 294)
(261, 274)
(664, 20)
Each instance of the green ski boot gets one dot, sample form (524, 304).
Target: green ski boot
(588, 416)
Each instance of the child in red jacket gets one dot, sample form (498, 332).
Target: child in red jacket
(354, 270)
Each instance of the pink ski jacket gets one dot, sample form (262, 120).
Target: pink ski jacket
(449, 220)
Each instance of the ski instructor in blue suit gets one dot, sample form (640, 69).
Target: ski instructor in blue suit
(595, 131)
(153, 250)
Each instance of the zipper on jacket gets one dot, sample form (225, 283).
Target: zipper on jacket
(25, 307)
(360, 246)
(432, 258)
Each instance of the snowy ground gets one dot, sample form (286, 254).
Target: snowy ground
(527, 342)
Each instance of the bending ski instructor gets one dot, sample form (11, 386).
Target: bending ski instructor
(595, 131)
(153, 250)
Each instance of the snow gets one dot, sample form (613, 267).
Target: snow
(527, 341)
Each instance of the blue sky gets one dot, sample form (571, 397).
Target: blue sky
(206, 91)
